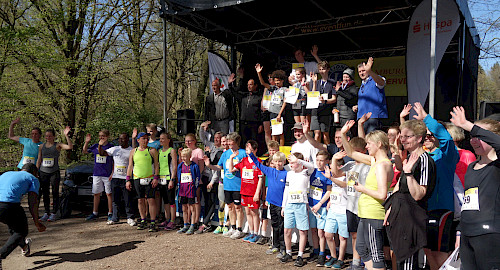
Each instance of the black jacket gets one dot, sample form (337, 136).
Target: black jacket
(210, 105)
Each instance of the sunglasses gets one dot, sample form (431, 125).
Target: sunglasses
(429, 136)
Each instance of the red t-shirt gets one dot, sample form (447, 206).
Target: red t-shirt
(249, 176)
(466, 158)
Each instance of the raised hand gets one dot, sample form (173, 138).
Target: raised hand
(327, 173)
(368, 65)
(234, 154)
(348, 125)
(258, 68)
(232, 77)
(406, 111)
(459, 120)
(421, 114)
(364, 118)
(408, 163)
(292, 158)
(16, 121)
(87, 138)
(339, 155)
(134, 133)
(338, 85)
(314, 50)
(66, 131)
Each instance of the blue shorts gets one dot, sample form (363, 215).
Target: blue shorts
(315, 222)
(295, 216)
(336, 222)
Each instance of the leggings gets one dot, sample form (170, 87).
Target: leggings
(48, 180)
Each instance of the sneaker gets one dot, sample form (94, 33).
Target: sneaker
(254, 239)
(237, 234)
(163, 224)
(272, 251)
(131, 222)
(312, 257)
(224, 230)
(91, 217)
(110, 217)
(246, 238)
(200, 229)
(286, 258)
(321, 261)
(330, 262)
(190, 230)
(228, 233)
(26, 251)
(142, 225)
(262, 240)
(183, 230)
(52, 217)
(110, 222)
(299, 262)
(45, 217)
(152, 227)
(208, 228)
(170, 226)
(356, 267)
(281, 254)
(338, 264)
(218, 230)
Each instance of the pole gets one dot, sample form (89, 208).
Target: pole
(432, 74)
(165, 73)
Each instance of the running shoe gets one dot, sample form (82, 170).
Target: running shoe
(209, 228)
(163, 224)
(254, 239)
(170, 226)
(142, 225)
(91, 217)
(131, 222)
(110, 217)
(356, 267)
(262, 240)
(224, 230)
(152, 227)
(338, 264)
(281, 254)
(312, 257)
(299, 262)
(228, 233)
(218, 230)
(200, 229)
(330, 262)
(321, 261)
(272, 251)
(110, 222)
(246, 238)
(183, 230)
(52, 217)
(45, 217)
(286, 258)
(190, 230)
(237, 235)
(26, 251)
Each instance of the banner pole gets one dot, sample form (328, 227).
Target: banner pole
(432, 74)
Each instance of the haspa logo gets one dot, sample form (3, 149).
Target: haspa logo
(427, 26)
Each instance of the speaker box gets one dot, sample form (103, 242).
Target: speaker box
(185, 122)
(488, 108)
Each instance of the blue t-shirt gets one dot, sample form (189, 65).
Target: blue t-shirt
(372, 99)
(30, 151)
(156, 144)
(232, 181)
(276, 182)
(13, 185)
(103, 165)
(318, 187)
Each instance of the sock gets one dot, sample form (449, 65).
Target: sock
(316, 251)
(233, 227)
(300, 253)
(356, 261)
(110, 213)
(95, 213)
(186, 225)
(322, 253)
(152, 221)
(239, 229)
(263, 233)
(192, 225)
(289, 252)
(251, 232)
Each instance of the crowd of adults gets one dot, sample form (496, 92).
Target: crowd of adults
(393, 191)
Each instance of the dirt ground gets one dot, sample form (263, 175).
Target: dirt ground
(77, 244)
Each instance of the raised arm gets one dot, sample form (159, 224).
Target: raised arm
(11, 129)
(404, 113)
(360, 157)
(259, 68)
(86, 144)
(68, 146)
(204, 134)
(361, 122)
(311, 140)
(314, 53)
(334, 167)
(368, 68)
(230, 166)
(134, 136)
(268, 171)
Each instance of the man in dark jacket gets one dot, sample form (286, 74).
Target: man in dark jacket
(347, 96)
(218, 108)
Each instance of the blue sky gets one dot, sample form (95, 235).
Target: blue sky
(485, 13)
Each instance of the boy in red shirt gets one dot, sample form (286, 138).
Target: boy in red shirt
(251, 178)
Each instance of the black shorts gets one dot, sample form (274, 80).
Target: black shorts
(352, 221)
(232, 197)
(273, 115)
(321, 122)
(265, 116)
(144, 191)
(186, 200)
(441, 232)
(168, 195)
(302, 111)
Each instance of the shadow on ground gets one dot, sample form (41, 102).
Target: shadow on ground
(94, 254)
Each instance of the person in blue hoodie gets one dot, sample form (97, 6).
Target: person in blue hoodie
(440, 227)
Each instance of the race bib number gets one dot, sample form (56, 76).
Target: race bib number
(100, 159)
(27, 160)
(276, 99)
(316, 193)
(144, 181)
(186, 178)
(121, 170)
(164, 180)
(48, 162)
(297, 197)
(336, 197)
(350, 188)
(247, 174)
(471, 199)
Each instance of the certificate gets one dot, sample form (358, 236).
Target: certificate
(276, 127)
(312, 100)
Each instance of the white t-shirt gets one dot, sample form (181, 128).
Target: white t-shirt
(120, 157)
(338, 198)
(297, 186)
(307, 150)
